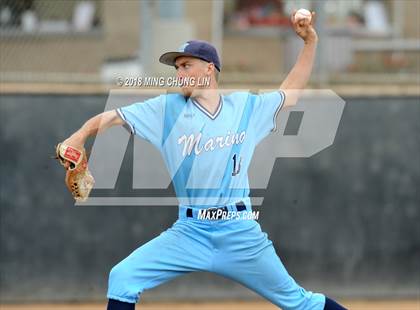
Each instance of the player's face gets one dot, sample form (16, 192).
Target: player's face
(191, 70)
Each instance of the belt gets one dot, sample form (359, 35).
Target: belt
(214, 214)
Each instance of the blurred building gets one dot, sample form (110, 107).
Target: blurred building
(93, 41)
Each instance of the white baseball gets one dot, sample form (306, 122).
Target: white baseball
(303, 14)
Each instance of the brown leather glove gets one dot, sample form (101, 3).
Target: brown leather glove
(79, 180)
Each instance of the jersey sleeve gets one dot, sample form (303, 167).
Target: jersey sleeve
(145, 119)
(266, 108)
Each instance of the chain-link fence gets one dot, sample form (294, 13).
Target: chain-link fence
(361, 41)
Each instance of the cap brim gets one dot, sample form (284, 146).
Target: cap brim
(169, 57)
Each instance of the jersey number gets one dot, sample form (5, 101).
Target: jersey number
(236, 168)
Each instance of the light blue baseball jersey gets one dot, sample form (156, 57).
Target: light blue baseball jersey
(207, 155)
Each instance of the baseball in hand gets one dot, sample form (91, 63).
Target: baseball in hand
(303, 14)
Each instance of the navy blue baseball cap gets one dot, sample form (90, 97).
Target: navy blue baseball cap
(194, 48)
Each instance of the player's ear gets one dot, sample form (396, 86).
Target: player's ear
(210, 68)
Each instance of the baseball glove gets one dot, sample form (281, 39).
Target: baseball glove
(79, 180)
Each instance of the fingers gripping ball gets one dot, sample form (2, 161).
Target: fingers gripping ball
(79, 180)
(303, 14)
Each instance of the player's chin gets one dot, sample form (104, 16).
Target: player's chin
(187, 91)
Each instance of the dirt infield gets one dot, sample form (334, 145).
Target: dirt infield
(353, 305)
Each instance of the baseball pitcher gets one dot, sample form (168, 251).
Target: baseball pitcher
(205, 138)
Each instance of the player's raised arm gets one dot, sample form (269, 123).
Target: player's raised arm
(93, 126)
(303, 24)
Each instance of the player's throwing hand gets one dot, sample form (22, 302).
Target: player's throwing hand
(304, 26)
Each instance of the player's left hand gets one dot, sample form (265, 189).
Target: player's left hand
(305, 28)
